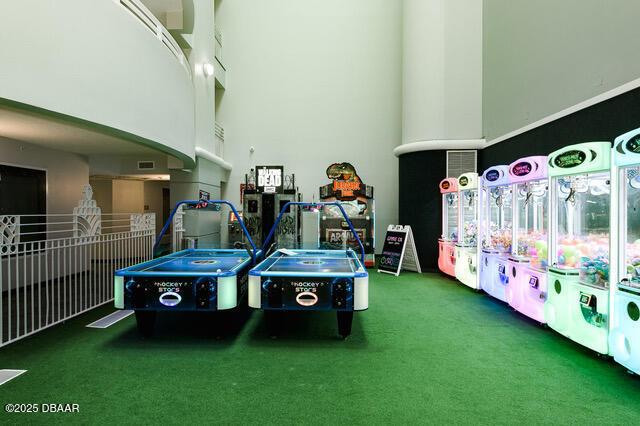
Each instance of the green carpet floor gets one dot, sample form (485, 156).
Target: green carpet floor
(428, 350)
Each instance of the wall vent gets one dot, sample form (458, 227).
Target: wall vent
(459, 162)
(146, 165)
(219, 130)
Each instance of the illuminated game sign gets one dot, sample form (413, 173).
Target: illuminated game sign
(570, 159)
(492, 175)
(336, 236)
(269, 179)
(315, 293)
(523, 168)
(633, 145)
(347, 185)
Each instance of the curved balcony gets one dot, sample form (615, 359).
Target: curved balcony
(107, 63)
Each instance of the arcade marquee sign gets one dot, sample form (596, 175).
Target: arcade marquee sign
(269, 179)
(346, 185)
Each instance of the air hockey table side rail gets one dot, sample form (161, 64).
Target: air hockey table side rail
(310, 279)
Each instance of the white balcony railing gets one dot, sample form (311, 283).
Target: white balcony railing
(144, 15)
(54, 267)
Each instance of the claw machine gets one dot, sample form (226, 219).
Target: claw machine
(624, 340)
(496, 231)
(446, 243)
(577, 303)
(468, 242)
(527, 290)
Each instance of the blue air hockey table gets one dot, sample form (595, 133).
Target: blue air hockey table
(310, 280)
(204, 280)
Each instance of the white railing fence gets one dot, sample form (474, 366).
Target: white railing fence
(54, 267)
(146, 18)
(177, 242)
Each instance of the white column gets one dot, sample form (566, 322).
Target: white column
(442, 70)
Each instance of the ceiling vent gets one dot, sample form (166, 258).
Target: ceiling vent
(146, 165)
(459, 162)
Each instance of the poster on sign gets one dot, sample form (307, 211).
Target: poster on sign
(399, 251)
(269, 179)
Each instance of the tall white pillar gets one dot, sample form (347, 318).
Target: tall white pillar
(442, 72)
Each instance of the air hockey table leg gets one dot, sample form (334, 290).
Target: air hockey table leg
(272, 320)
(345, 318)
(146, 321)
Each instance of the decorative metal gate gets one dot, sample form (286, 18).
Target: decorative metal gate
(54, 267)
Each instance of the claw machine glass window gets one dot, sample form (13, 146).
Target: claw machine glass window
(631, 202)
(583, 225)
(450, 216)
(468, 201)
(531, 232)
(498, 218)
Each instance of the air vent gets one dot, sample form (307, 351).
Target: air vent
(146, 165)
(459, 162)
(219, 132)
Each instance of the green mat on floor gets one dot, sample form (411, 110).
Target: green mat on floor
(427, 351)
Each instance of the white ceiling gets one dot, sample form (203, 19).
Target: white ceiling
(38, 129)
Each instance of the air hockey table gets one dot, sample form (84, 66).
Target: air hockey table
(205, 280)
(310, 280)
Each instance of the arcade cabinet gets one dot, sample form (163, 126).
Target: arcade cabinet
(496, 231)
(449, 236)
(577, 303)
(468, 241)
(358, 202)
(624, 340)
(527, 289)
(266, 190)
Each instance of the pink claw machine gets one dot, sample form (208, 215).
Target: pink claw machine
(527, 290)
(447, 241)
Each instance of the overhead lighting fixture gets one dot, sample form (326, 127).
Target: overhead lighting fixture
(207, 69)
